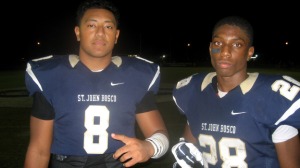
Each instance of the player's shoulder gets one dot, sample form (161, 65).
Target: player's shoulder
(132, 61)
(48, 62)
(201, 79)
(271, 79)
(283, 84)
(139, 63)
(271, 85)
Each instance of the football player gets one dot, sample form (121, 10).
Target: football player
(85, 107)
(237, 118)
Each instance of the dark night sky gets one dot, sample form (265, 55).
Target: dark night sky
(149, 28)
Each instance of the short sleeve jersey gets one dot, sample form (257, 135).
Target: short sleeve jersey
(235, 130)
(89, 106)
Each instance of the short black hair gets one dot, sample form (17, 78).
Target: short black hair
(97, 4)
(238, 21)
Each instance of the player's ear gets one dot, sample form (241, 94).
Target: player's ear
(77, 33)
(117, 36)
(250, 53)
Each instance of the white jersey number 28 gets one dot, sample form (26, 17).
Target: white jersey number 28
(225, 146)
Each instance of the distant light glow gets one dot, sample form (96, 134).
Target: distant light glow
(287, 43)
(38, 43)
(163, 56)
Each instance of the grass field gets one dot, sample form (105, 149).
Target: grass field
(15, 111)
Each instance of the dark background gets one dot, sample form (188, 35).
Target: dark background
(150, 29)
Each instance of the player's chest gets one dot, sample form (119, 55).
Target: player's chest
(95, 88)
(213, 114)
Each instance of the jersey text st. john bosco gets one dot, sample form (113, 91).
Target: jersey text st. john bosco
(219, 128)
(96, 98)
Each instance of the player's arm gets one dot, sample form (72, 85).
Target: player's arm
(41, 132)
(288, 153)
(188, 136)
(151, 124)
(38, 152)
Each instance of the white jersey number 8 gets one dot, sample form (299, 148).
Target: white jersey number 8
(97, 130)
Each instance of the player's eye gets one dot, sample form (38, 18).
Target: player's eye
(237, 45)
(217, 43)
(109, 27)
(91, 25)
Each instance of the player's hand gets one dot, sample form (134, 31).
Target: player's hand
(134, 151)
(187, 155)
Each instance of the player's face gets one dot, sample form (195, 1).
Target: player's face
(230, 50)
(97, 33)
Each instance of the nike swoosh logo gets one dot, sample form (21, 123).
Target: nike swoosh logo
(237, 113)
(115, 84)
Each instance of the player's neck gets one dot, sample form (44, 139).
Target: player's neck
(95, 64)
(221, 93)
(226, 84)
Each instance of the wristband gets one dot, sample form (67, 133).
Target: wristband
(160, 143)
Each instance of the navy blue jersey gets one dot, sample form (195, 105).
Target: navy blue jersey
(235, 130)
(89, 106)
